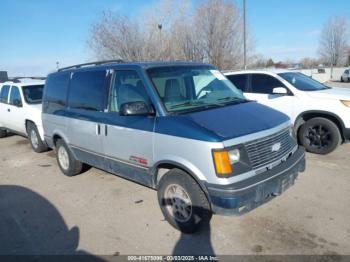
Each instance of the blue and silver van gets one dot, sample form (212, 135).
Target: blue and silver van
(180, 128)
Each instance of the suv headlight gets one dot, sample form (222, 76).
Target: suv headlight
(292, 132)
(231, 161)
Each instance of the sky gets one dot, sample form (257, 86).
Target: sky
(35, 34)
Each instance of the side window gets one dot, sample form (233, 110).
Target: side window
(4, 94)
(55, 91)
(88, 90)
(15, 95)
(264, 84)
(126, 87)
(240, 81)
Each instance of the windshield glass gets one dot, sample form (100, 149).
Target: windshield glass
(33, 94)
(302, 82)
(189, 88)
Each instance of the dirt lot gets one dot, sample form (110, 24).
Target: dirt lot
(44, 212)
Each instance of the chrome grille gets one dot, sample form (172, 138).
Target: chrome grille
(260, 151)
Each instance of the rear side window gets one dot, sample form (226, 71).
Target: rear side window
(56, 90)
(4, 94)
(240, 81)
(88, 90)
(15, 95)
(264, 84)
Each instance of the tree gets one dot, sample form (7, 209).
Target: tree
(270, 63)
(333, 42)
(171, 30)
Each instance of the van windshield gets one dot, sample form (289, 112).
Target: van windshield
(192, 88)
(33, 94)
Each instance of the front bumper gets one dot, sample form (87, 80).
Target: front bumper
(241, 197)
(346, 132)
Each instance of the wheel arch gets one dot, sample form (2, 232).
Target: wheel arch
(160, 168)
(307, 115)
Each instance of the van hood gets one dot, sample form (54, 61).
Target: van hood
(332, 93)
(223, 123)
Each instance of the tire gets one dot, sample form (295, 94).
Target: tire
(197, 209)
(66, 161)
(38, 145)
(319, 135)
(341, 79)
(3, 133)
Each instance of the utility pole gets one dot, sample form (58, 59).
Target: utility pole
(160, 26)
(244, 35)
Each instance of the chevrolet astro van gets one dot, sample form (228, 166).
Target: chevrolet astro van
(178, 127)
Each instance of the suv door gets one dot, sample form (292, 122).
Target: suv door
(128, 141)
(15, 111)
(260, 89)
(4, 116)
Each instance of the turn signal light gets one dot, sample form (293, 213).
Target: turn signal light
(345, 102)
(222, 163)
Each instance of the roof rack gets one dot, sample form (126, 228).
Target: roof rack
(18, 78)
(92, 64)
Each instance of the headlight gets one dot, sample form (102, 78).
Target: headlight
(234, 156)
(231, 161)
(345, 102)
(292, 132)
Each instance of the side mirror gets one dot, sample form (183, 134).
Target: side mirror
(280, 91)
(138, 108)
(17, 103)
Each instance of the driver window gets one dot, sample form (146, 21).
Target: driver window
(15, 95)
(126, 87)
(264, 84)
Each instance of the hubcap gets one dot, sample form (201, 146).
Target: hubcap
(178, 203)
(319, 137)
(34, 139)
(63, 157)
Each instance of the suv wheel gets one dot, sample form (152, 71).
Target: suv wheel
(319, 135)
(38, 145)
(3, 133)
(183, 203)
(66, 161)
(341, 79)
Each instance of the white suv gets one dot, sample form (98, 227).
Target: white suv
(321, 115)
(20, 111)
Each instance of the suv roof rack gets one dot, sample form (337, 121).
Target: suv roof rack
(18, 78)
(92, 64)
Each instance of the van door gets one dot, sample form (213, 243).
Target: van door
(4, 116)
(15, 111)
(261, 86)
(87, 97)
(128, 140)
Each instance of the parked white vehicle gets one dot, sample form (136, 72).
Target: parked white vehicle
(345, 77)
(321, 115)
(20, 111)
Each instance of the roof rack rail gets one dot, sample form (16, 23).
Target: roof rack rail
(18, 78)
(92, 64)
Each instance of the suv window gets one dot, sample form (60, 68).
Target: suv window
(15, 95)
(4, 94)
(88, 90)
(126, 87)
(240, 81)
(56, 88)
(264, 84)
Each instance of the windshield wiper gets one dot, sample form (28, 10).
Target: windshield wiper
(233, 99)
(188, 103)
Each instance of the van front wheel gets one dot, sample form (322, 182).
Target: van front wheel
(66, 161)
(183, 203)
(3, 133)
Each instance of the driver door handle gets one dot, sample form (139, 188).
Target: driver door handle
(8, 110)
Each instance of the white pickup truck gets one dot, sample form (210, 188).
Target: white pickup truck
(321, 115)
(20, 110)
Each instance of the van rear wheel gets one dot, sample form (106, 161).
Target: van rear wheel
(66, 161)
(319, 135)
(183, 203)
